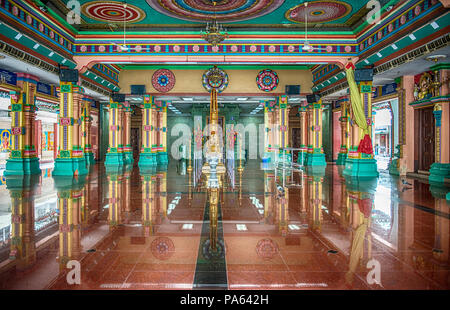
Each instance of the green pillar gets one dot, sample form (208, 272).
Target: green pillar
(114, 155)
(361, 165)
(147, 158)
(23, 159)
(342, 156)
(316, 156)
(70, 160)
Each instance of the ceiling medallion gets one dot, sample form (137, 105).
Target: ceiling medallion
(215, 78)
(318, 12)
(214, 33)
(112, 12)
(227, 10)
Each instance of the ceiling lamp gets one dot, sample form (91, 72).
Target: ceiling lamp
(306, 45)
(214, 33)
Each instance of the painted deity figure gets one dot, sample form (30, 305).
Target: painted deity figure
(424, 86)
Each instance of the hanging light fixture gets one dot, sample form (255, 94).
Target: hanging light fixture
(214, 33)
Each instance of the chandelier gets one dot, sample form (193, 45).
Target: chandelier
(214, 33)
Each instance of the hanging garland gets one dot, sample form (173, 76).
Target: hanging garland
(163, 80)
(267, 80)
(220, 85)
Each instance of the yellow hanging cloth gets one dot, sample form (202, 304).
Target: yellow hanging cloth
(365, 145)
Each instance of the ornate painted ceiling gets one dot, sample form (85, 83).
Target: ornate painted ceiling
(254, 14)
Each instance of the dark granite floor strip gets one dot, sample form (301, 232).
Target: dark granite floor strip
(211, 270)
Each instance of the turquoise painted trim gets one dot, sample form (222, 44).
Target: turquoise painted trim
(393, 170)
(22, 166)
(89, 157)
(19, 183)
(114, 159)
(302, 157)
(65, 183)
(342, 157)
(315, 160)
(316, 171)
(162, 159)
(70, 167)
(128, 158)
(147, 160)
(360, 168)
(439, 173)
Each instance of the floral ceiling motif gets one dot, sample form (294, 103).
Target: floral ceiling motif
(226, 10)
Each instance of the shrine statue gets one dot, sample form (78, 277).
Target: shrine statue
(425, 86)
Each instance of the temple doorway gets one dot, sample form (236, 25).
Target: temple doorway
(426, 139)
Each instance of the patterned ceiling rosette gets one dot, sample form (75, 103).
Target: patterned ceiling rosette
(112, 12)
(163, 80)
(226, 10)
(162, 248)
(318, 12)
(215, 78)
(267, 80)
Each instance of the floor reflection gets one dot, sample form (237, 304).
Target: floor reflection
(132, 229)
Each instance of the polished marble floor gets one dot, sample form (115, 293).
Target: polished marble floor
(132, 229)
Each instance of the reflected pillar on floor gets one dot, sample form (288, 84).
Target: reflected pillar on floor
(70, 160)
(70, 193)
(115, 216)
(86, 138)
(302, 154)
(269, 188)
(126, 134)
(23, 159)
(283, 211)
(148, 183)
(162, 191)
(316, 156)
(361, 202)
(126, 194)
(441, 233)
(315, 188)
(147, 157)
(22, 190)
(345, 125)
(114, 154)
(84, 205)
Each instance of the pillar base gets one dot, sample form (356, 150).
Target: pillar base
(162, 159)
(147, 160)
(315, 160)
(284, 157)
(114, 159)
(393, 167)
(301, 159)
(439, 173)
(128, 158)
(70, 166)
(360, 168)
(22, 166)
(89, 157)
(342, 157)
